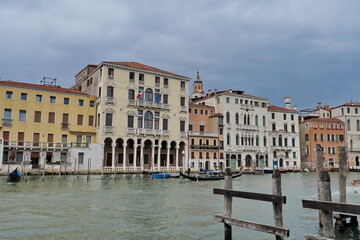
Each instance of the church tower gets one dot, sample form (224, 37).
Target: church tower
(197, 87)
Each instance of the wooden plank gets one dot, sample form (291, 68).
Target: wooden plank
(343, 208)
(251, 195)
(327, 216)
(254, 226)
(309, 237)
(228, 204)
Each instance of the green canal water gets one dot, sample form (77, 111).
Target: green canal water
(138, 207)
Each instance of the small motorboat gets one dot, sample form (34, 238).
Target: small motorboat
(355, 182)
(161, 175)
(174, 175)
(14, 176)
(208, 177)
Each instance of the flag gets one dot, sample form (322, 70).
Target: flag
(158, 98)
(139, 95)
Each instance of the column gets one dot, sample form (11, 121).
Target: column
(124, 156)
(177, 158)
(152, 157)
(135, 155)
(168, 158)
(113, 145)
(158, 157)
(142, 157)
(186, 157)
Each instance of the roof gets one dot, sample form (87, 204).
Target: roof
(276, 108)
(332, 120)
(217, 115)
(200, 106)
(350, 104)
(144, 67)
(230, 91)
(40, 87)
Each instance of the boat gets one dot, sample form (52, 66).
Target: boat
(208, 177)
(14, 176)
(355, 182)
(161, 175)
(174, 175)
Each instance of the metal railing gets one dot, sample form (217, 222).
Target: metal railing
(65, 125)
(6, 122)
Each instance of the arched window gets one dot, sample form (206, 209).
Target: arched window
(228, 139)
(348, 124)
(245, 119)
(237, 118)
(149, 95)
(265, 142)
(280, 140)
(264, 121)
(237, 139)
(257, 141)
(227, 117)
(357, 125)
(148, 120)
(256, 120)
(242, 140)
(248, 119)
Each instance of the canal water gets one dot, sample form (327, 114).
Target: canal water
(138, 207)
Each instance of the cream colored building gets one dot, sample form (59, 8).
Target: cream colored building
(142, 115)
(45, 126)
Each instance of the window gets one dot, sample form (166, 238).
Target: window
(9, 94)
(348, 110)
(321, 137)
(99, 91)
(265, 142)
(264, 121)
(182, 85)
(306, 137)
(37, 117)
(218, 100)
(156, 120)
(110, 72)
(165, 124)
(237, 118)
(157, 81)
(166, 82)
(236, 101)
(190, 128)
(202, 128)
(66, 101)
(292, 117)
(315, 136)
(165, 99)
(256, 120)
(227, 117)
(80, 158)
(51, 118)
(52, 99)
(285, 127)
(141, 78)
(272, 115)
(108, 119)
(131, 94)
(92, 104)
(182, 101)
(284, 116)
(110, 91)
(227, 100)
(228, 139)
(331, 162)
(7, 116)
(81, 102)
(80, 119)
(91, 120)
(273, 127)
(22, 115)
(348, 124)
(130, 121)
(292, 128)
(23, 96)
(182, 126)
(285, 142)
(294, 154)
(257, 141)
(39, 98)
(131, 76)
(148, 124)
(357, 125)
(140, 119)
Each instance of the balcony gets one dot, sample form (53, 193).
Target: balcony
(108, 129)
(183, 134)
(204, 134)
(131, 130)
(36, 145)
(79, 145)
(205, 147)
(110, 100)
(110, 76)
(141, 82)
(6, 122)
(183, 109)
(282, 148)
(132, 102)
(132, 80)
(65, 125)
(165, 133)
(148, 104)
(246, 107)
(248, 127)
(183, 89)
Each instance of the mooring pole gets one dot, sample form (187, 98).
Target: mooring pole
(88, 172)
(319, 168)
(75, 168)
(325, 194)
(276, 190)
(228, 203)
(44, 169)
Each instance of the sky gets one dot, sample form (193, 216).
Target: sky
(304, 49)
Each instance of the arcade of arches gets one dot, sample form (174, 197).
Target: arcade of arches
(144, 154)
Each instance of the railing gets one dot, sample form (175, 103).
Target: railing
(79, 145)
(110, 100)
(166, 133)
(148, 104)
(109, 129)
(132, 80)
(65, 125)
(248, 148)
(183, 89)
(205, 134)
(183, 109)
(248, 127)
(131, 102)
(131, 130)
(283, 148)
(246, 106)
(183, 134)
(141, 81)
(6, 122)
(205, 147)
(110, 76)
(26, 144)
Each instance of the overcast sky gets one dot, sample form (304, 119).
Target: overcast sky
(308, 50)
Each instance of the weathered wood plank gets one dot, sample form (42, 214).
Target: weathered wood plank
(251, 195)
(327, 216)
(309, 237)
(277, 207)
(228, 204)
(332, 206)
(254, 226)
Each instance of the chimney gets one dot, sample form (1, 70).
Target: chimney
(209, 92)
(295, 107)
(318, 106)
(287, 101)
(215, 91)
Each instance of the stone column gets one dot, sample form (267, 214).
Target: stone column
(168, 158)
(142, 157)
(152, 157)
(124, 156)
(135, 155)
(177, 158)
(113, 145)
(158, 157)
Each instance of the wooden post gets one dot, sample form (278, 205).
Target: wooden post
(60, 169)
(276, 190)
(75, 168)
(340, 221)
(88, 173)
(228, 203)
(44, 169)
(319, 167)
(325, 194)
(78, 167)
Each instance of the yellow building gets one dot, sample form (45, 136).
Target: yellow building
(45, 125)
(143, 115)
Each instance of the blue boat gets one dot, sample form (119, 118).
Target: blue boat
(161, 175)
(14, 176)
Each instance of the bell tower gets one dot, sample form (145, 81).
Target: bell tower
(197, 87)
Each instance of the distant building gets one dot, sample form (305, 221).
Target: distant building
(142, 115)
(45, 125)
(206, 140)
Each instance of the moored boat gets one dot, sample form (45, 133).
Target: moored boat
(161, 175)
(208, 177)
(14, 176)
(355, 182)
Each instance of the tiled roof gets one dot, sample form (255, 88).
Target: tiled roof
(276, 108)
(217, 115)
(351, 104)
(333, 120)
(200, 106)
(144, 67)
(230, 91)
(41, 87)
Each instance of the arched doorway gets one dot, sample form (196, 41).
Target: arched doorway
(233, 162)
(261, 161)
(281, 163)
(119, 150)
(207, 165)
(248, 161)
(182, 157)
(357, 161)
(163, 155)
(130, 145)
(147, 160)
(107, 152)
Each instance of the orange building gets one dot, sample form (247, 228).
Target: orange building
(329, 133)
(206, 141)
